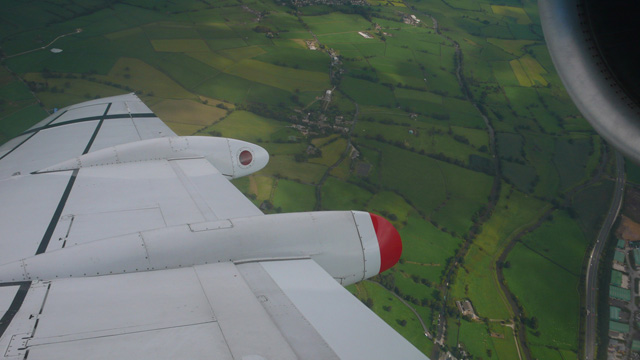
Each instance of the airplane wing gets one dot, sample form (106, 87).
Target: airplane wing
(122, 240)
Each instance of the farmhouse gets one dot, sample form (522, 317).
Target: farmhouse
(410, 20)
(466, 308)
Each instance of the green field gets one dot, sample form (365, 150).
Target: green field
(338, 195)
(285, 166)
(280, 77)
(428, 246)
(521, 176)
(179, 45)
(557, 315)
(478, 281)
(510, 146)
(188, 112)
(16, 122)
(368, 93)
(516, 13)
(571, 159)
(331, 153)
(290, 196)
(391, 203)
(247, 126)
(423, 137)
(540, 150)
(397, 312)
(513, 47)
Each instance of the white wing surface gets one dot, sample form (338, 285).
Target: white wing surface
(50, 210)
(122, 240)
(31, 206)
(215, 311)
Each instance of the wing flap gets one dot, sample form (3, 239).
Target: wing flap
(301, 335)
(150, 315)
(246, 325)
(348, 326)
(202, 312)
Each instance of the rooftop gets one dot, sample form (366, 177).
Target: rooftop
(619, 293)
(616, 278)
(619, 327)
(614, 313)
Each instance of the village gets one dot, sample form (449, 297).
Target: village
(624, 312)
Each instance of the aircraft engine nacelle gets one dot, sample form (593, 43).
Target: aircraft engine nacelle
(349, 245)
(598, 80)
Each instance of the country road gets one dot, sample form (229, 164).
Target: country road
(46, 46)
(594, 259)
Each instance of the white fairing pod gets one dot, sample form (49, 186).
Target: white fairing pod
(233, 158)
(246, 158)
(351, 246)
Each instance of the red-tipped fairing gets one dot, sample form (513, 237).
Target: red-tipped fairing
(388, 240)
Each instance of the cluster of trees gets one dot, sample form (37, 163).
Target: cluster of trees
(267, 205)
(388, 281)
(47, 74)
(409, 87)
(531, 322)
(365, 76)
(267, 31)
(278, 113)
(388, 215)
(461, 139)
(306, 155)
(262, 29)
